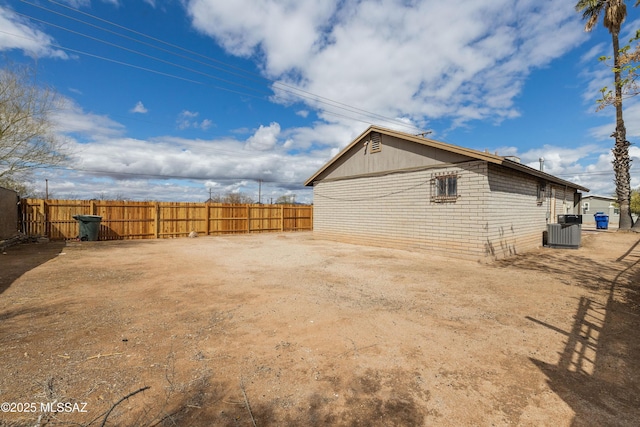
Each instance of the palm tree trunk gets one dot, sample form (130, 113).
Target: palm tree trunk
(621, 159)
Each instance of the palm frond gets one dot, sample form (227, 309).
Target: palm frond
(591, 10)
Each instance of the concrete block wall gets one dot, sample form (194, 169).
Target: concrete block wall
(396, 210)
(496, 215)
(516, 220)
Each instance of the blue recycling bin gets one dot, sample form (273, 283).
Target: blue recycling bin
(602, 220)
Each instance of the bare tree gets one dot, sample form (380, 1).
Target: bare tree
(286, 199)
(237, 198)
(27, 138)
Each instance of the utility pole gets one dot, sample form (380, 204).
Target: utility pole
(46, 189)
(259, 191)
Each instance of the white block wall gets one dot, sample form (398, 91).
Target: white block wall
(515, 219)
(396, 210)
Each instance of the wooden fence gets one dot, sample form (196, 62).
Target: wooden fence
(156, 220)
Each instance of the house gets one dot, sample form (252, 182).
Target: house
(607, 205)
(394, 189)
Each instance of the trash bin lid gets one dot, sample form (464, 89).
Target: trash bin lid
(90, 218)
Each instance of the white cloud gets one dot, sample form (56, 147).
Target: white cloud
(562, 160)
(265, 138)
(139, 108)
(398, 58)
(18, 33)
(285, 30)
(589, 165)
(415, 61)
(205, 124)
(72, 119)
(186, 120)
(170, 168)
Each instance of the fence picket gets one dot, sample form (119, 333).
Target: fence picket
(149, 220)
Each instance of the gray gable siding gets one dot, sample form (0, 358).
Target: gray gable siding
(395, 154)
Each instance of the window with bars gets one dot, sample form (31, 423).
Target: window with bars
(445, 188)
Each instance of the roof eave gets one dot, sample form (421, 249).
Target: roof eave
(479, 155)
(543, 175)
(413, 138)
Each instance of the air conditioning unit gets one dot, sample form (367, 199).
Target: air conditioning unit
(565, 236)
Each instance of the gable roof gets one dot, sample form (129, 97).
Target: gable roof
(595, 196)
(474, 154)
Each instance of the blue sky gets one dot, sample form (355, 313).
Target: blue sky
(167, 100)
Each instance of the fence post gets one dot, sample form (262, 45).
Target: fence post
(43, 210)
(281, 217)
(92, 207)
(207, 218)
(156, 220)
(248, 218)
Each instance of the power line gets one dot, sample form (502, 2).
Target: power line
(139, 53)
(115, 61)
(292, 90)
(315, 96)
(150, 70)
(141, 34)
(145, 43)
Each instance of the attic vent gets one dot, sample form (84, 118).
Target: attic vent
(376, 142)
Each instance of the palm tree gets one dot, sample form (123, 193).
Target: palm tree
(615, 12)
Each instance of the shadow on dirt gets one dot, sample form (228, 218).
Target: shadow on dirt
(209, 403)
(24, 257)
(392, 398)
(598, 371)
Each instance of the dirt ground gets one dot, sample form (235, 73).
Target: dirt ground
(284, 329)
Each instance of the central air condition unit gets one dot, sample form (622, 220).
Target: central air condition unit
(565, 236)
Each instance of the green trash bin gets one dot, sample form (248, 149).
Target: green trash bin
(89, 226)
